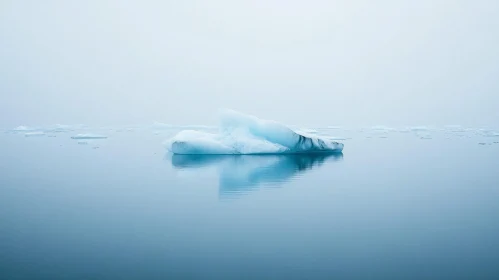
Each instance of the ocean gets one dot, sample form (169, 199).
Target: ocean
(415, 203)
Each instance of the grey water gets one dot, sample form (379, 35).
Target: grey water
(392, 206)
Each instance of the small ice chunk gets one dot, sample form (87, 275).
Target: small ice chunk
(23, 128)
(382, 128)
(455, 128)
(35, 133)
(487, 133)
(419, 128)
(58, 128)
(89, 136)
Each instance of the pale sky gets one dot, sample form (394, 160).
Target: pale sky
(312, 62)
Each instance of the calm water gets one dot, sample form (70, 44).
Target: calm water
(393, 206)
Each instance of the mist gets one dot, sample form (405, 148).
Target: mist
(314, 63)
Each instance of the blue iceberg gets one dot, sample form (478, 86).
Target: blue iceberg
(245, 134)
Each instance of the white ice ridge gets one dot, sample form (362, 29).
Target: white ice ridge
(245, 134)
(88, 136)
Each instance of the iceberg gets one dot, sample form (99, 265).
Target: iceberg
(245, 134)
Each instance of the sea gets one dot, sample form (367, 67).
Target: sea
(398, 203)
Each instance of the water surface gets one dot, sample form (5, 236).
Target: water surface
(394, 205)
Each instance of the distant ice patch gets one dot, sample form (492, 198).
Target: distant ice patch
(487, 132)
(58, 128)
(493, 134)
(34, 133)
(89, 136)
(404, 130)
(455, 128)
(23, 128)
(420, 128)
(382, 128)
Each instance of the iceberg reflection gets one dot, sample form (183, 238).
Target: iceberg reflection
(245, 173)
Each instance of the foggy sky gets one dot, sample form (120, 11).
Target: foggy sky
(300, 62)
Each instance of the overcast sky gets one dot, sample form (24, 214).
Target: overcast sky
(300, 62)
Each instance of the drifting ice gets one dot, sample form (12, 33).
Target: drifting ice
(23, 128)
(245, 134)
(35, 133)
(89, 136)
